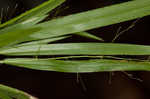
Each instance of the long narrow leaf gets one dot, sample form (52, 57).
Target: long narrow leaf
(79, 49)
(42, 9)
(87, 20)
(80, 66)
(45, 41)
(94, 18)
(20, 32)
(38, 13)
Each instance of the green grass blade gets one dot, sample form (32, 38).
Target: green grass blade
(14, 37)
(45, 41)
(4, 96)
(94, 18)
(80, 66)
(41, 10)
(79, 49)
(38, 11)
(34, 20)
(14, 93)
(20, 32)
(83, 21)
(88, 35)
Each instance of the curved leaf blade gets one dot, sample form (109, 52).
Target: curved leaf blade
(11, 93)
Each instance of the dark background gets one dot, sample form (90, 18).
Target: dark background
(54, 85)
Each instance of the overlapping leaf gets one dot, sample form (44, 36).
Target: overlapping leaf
(85, 21)
(20, 32)
(94, 19)
(24, 28)
(7, 39)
